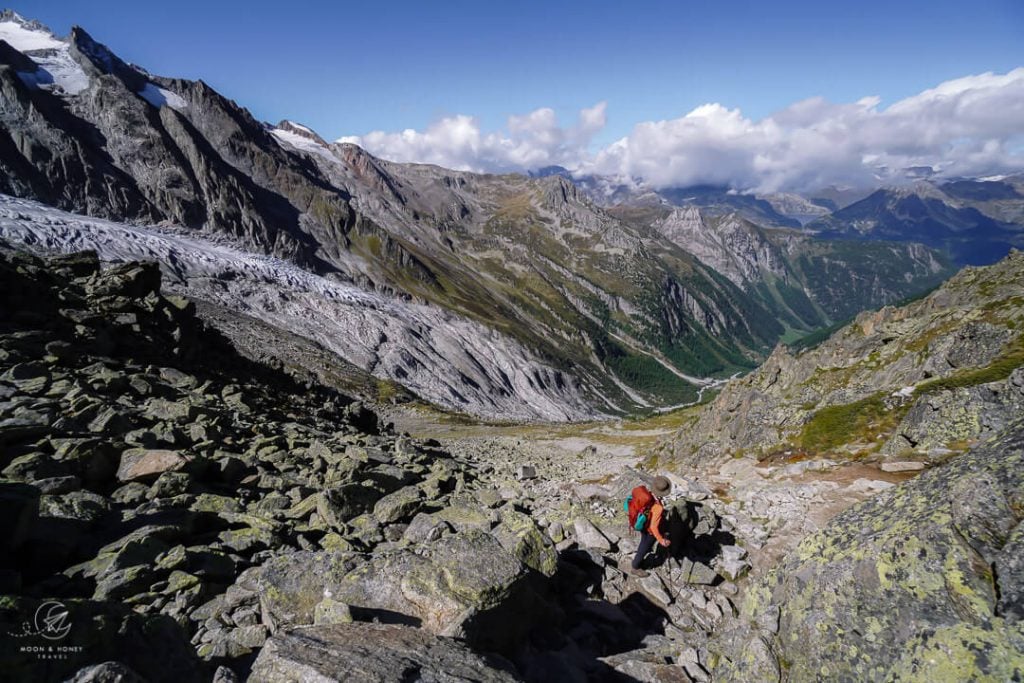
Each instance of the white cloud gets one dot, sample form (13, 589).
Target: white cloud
(531, 141)
(967, 126)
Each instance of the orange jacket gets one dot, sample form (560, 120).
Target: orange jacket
(654, 526)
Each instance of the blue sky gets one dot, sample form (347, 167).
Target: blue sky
(456, 71)
(351, 67)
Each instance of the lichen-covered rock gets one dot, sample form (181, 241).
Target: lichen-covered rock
(861, 596)
(330, 611)
(522, 538)
(951, 418)
(589, 536)
(963, 652)
(466, 586)
(1009, 567)
(368, 653)
(291, 586)
(402, 504)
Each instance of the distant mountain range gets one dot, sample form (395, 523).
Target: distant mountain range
(597, 295)
(973, 221)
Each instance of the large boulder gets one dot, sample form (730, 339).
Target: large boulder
(466, 586)
(941, 420)
(519, 534)
(367, 653)
(291, 586)
(921, 580)
(140, 464)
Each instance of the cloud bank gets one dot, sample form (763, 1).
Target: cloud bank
(970, 126)
(531, 141)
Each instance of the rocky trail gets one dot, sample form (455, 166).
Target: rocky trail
(735, 521)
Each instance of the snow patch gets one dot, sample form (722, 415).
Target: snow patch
(302, 143)
(160, 97)
(62, 70)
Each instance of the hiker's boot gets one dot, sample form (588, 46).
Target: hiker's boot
(639, 573)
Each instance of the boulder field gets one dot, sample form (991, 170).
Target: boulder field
(171, 511)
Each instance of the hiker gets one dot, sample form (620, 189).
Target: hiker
(646, 511)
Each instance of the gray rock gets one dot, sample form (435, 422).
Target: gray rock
(139, 464)
(589, 536)
(398, 506)
(524, 472)
(131, 494)
(696, 572)
(224, 675)
(468, 586)
(107, 672)
(902, 466)
(170, 484)
(733, 563)
(369, 653)
(653, 588)
(58, 485)
(123, 583)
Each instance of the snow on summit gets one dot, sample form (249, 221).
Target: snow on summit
(24, 36)
(57, 68)
(302, 138)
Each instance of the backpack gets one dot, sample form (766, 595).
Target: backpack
(637, 506)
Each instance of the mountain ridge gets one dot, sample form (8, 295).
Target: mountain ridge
(626, 312)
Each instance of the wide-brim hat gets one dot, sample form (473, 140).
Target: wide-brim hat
(660, 486)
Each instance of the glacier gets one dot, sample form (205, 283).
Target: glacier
(442, 357)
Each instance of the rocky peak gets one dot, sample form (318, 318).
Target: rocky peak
(729, 244)
(97, 59)
(683, 224)
(559, 191)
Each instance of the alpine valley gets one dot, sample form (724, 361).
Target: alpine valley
(520, 297)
